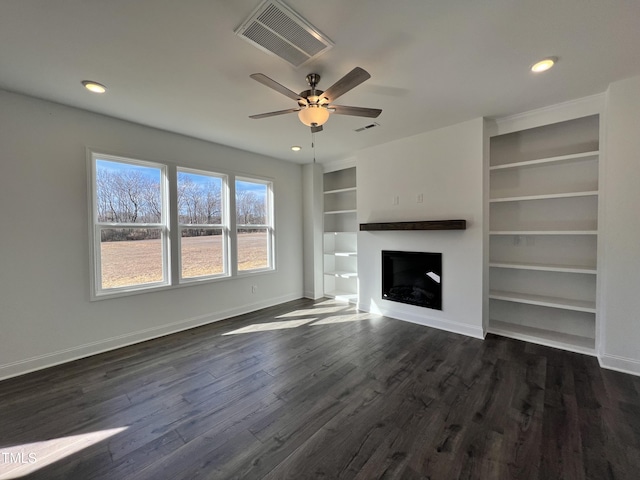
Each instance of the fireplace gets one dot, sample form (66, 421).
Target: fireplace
(412, 277)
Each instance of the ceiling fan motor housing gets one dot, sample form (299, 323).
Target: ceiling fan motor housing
(309, 93)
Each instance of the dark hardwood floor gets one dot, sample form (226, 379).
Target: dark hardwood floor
(317, 390)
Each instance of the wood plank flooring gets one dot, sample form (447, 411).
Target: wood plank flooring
(316, 390)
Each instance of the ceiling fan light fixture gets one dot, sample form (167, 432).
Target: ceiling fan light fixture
(313, 115)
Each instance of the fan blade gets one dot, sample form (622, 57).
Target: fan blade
(316, 129)
(351, 80)
(273, 114)
(355, 111)
(263, 79)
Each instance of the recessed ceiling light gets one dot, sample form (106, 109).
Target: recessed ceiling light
(544, 65)
(94, 87)
(296, 148)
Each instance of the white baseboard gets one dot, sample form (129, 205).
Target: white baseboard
(620, 364)
(47, 360)
(440, 324)
(312, 296)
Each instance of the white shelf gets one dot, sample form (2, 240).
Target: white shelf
(543, 232)
(541, 161)
(573, 343)
(335, 212)
(544, 301)
(340, 179)
(545, 268)
(342, 274)
(342, 254)
(350, 297)
(340, 233)
(591, 193)
(340, 190)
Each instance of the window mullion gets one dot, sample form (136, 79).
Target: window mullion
(233, 227)
(173, 226)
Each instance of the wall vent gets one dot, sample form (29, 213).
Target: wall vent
(276, 29)
(367, 127)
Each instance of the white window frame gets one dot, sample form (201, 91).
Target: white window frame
(269, 226)
(224, 226)
(170, 228)
(96, 228)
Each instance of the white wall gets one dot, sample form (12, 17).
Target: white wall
(45, 313)
(312, 223)
(446, 167)
(620, 272)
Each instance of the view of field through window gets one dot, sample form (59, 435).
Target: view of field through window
(252, 218)
(129, 194)
(126, 263)
(200, 214)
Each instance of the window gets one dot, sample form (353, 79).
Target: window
(130, 231)
(202, 224)
(155, 226)
(254, 224)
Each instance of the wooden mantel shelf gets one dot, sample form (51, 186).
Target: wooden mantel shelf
(424, 225)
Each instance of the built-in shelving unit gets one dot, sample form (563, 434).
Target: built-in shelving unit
(340, 236)
(543, 203)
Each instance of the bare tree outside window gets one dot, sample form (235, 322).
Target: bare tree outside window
(254, 225)
(129, 224)
(200, 217)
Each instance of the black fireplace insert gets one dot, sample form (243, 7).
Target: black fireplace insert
(412, 277)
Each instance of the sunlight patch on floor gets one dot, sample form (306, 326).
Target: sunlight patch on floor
(343, 313)
(345, 318)
(265, 327)
(330, 301)
(21, 460)
(315, 311)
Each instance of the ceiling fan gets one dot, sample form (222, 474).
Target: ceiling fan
(314, 105)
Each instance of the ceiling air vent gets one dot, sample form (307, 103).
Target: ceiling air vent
(275, 28)
(367, 127)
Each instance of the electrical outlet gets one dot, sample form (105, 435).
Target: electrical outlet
(395, 200)
(420, 198)
(254, 288)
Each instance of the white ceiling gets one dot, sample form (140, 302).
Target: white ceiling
(177, 65)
